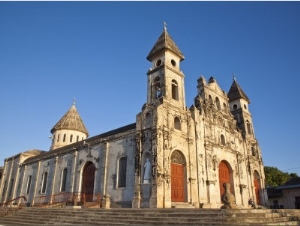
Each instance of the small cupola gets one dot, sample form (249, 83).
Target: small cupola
(237, 97)
(69, 129)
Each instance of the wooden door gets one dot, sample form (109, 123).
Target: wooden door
(257, 187)
(88, 181)
(224, 176)
(177, 182)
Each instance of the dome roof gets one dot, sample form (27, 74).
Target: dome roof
(70, 121)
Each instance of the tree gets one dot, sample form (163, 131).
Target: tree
(276, 177)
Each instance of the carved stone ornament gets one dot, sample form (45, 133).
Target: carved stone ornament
(227, 198)
(177, 158)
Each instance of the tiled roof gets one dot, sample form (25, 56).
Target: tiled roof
(71, 121)
(273, 192)
(236, 92)
(74, 146)
(292, 181)
(290, 184)
(163, 43)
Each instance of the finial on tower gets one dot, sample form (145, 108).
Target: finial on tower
(233, 76)
(74, 101)
(165, 26)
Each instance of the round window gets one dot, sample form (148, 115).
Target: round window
(173, 62)
(158, 62)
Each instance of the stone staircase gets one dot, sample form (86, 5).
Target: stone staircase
(126, 216)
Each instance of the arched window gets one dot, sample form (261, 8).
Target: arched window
(77, 139)
(63, 179)
(222, 139)
(253, 151)
(218, 103)
(157, 87)
(224, 106)
(64, 139)
(71, 138)
(148, 119)
(177, 124)
(58, 137)
(44, 182)
(28, 184)
(122, 172)
(210, 99)
(174, 90)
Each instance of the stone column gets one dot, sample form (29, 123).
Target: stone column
(136, 202)
(36, 181)
(53, 179)
(22, 183)
(105, 202)
(4, 178)
(9, 181)
(73, 172)
(16, 182)
(153, 196)
(209, 184)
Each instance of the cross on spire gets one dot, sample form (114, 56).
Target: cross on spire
(165, 26)
(233, 76)
(74, 101)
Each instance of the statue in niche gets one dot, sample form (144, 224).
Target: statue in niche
(147, 171)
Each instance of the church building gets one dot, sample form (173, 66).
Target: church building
(172, 156)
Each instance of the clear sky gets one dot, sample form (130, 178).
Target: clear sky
(51, 52)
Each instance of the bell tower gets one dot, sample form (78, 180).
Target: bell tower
(238, 103)
(165, 132)
(165, 79)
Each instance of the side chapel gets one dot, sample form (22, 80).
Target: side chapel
(171, 156)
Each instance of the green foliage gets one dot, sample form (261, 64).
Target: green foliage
(275, 177)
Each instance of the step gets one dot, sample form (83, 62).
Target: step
(172, 216)
(182, 205)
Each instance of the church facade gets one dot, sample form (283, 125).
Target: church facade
(171, 156)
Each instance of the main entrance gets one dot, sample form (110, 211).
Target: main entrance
(88, 179)
(224, 176)
(177, 177)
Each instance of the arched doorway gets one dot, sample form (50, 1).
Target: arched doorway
(88, 179)
(257, 187)
(224, 176)
(177, 177)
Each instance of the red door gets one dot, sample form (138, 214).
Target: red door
(224, 176)
(88, 181)
(256, 190)
(177, 182)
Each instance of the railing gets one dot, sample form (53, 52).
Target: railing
(66, 198)
(11, 205)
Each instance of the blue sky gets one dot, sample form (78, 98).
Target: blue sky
(51, 52)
